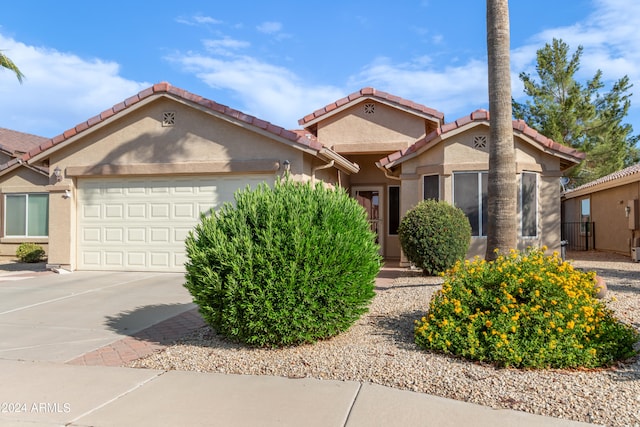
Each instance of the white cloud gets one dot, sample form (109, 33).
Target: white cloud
(60, 90)
(456, 91)
(225, 46)
(266, 91)
(198, 20)
(270, 27)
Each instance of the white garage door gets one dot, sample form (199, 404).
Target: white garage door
(141, 224)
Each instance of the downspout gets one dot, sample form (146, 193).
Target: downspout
(317, 168)
(386, 174)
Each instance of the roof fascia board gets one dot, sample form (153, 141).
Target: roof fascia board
(19, 164)
(541, 147)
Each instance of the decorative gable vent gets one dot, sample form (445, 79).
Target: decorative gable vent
(480, 142)
(369, 108)
(168, 118)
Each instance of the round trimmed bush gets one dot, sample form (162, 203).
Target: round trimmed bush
(434, 235)
(525, 310)
(30, 252)
(283, 266)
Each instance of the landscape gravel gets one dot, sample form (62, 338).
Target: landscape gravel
(379, 349)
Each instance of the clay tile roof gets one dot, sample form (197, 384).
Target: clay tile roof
(482, 115)
(631, 170)
(18, 142)
(369, 92)
(39, 145)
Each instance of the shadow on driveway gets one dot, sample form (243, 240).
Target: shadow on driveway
(161, 323)
(13, 266)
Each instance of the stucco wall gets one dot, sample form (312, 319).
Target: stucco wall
(140, 138)
(612, 231)
(356, 127)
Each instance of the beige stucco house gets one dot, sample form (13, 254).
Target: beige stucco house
(126, 186)
(611, 204)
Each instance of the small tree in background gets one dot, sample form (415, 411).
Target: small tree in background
(286, 265)
(579, 115)
(434, 235)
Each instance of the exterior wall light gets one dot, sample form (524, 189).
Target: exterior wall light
(58, 173)
(627, 211)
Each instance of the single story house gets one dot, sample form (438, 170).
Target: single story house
(126, 186)
(611, 204)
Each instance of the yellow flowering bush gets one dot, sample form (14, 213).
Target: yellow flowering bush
(525, 310)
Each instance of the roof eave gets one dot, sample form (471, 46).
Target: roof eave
(340, 162)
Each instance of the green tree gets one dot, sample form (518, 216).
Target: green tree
(6, 62)
(579, 115)
(502, 188)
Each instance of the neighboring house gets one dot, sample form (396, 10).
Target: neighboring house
(611, 204)
(126, 186)
(24, 202)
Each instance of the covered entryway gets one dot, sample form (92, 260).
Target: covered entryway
(370, 198)
(140, 224)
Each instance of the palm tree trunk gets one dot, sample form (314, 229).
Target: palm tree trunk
(502, 186)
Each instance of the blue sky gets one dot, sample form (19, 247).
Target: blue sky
(280, 60)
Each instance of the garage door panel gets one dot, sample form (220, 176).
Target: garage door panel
(136, 235)
(113, 235)
(136, 211)
(91, 258)
(160, 259)
(160, 235)
(113, 259)
(183, 210)
(141, 225)
(91, 211)
(91, 235)
(114, 210)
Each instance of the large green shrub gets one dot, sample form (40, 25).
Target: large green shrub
(434, 235)
(30, 252)
(524, 310)
(286, 265)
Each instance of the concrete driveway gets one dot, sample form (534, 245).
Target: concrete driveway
(58, 317)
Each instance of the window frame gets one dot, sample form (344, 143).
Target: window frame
(26, 216)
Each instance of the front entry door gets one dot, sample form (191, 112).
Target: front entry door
(370, 198)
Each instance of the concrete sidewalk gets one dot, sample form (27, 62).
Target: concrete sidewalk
(60, 364)
(48, 394)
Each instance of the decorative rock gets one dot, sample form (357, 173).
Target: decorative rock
(601, 287)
